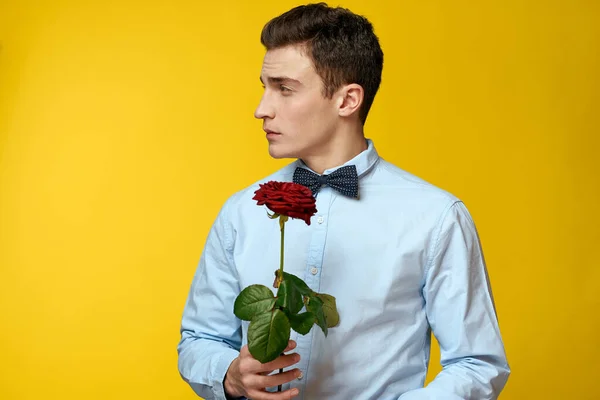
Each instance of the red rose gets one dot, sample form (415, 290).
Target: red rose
(287, 198)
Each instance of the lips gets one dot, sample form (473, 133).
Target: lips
(272, 135)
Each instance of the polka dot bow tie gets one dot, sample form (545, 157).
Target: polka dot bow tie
(344, 180)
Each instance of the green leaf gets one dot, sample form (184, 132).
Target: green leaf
(315, 306)
(329, 309)
(254, 299)
(268, 335)
(302, 323)
(297, 283)
(289, 297)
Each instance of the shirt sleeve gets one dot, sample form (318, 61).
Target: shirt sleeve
(210, 333)
(461, 312)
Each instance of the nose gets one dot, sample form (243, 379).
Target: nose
(265, 109)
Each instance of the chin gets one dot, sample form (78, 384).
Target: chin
(277, 152)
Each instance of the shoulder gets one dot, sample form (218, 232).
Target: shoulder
(447, 209)
(409, 187)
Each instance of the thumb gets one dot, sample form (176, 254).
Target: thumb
(291, 346)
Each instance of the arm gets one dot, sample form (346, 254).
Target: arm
(210, 334)
(461, 313)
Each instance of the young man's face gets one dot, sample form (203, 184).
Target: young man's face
(299, 121)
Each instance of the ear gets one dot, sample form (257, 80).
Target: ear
(350, 99)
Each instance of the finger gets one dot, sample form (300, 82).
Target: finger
(291, 346)
(280, 362)
(249, 364)
(263, 395)
(279, 379)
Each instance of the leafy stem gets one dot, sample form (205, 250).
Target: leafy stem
(282, 227)
(282, 220)
(272, 317)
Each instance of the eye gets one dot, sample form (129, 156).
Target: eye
(284, 89)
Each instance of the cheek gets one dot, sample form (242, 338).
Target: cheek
(300, 109)
(310, 112)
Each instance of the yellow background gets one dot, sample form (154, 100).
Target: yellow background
(124, 126)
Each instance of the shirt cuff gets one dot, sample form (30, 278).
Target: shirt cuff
(220, 371)
(429, 394)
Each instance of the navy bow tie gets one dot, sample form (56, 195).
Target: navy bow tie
(344, 180)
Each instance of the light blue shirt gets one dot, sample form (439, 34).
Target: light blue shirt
(403, 260)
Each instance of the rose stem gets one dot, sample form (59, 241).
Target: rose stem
(282, 226)
(282, 220)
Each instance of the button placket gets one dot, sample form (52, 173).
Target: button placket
(312, 278)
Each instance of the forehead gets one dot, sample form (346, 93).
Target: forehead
(288, 61)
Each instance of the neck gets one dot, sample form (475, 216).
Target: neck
(337, 151)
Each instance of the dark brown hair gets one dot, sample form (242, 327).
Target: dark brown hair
(341, 45)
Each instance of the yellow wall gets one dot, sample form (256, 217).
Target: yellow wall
(116, 116)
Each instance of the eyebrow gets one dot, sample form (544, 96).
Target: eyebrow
(281, 79)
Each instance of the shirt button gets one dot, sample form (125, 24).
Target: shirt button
(320, 219)
(301, 375)
(314, 270)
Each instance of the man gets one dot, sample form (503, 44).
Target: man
(402, 258)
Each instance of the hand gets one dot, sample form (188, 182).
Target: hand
(248, 377)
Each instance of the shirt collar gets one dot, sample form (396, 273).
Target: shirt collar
(364, 161)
